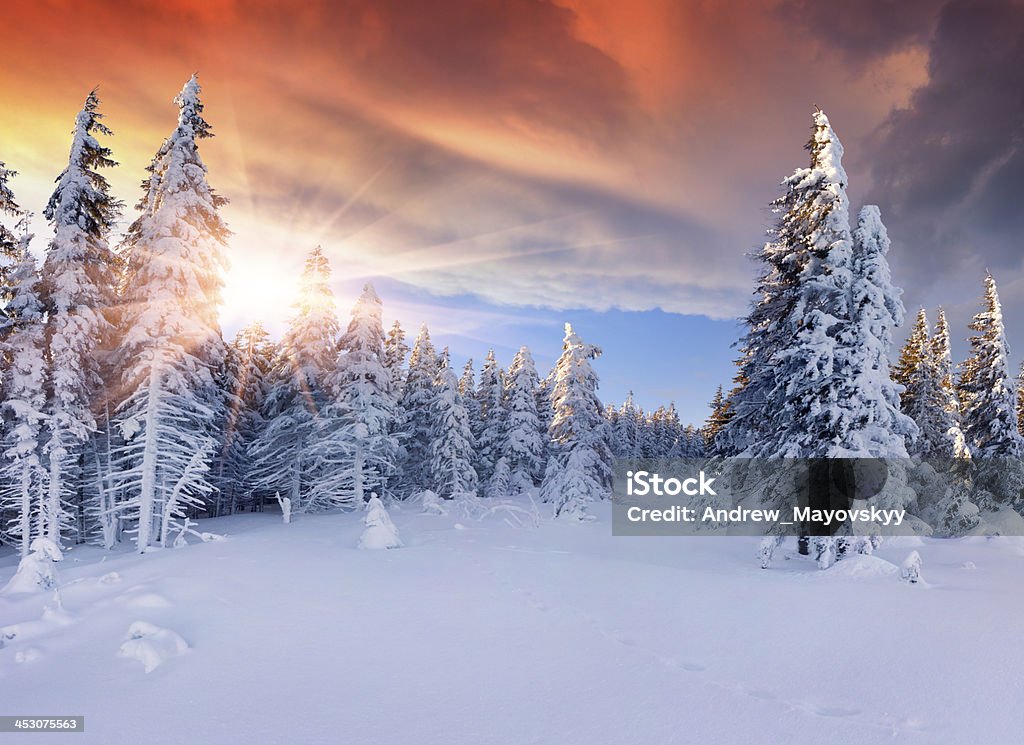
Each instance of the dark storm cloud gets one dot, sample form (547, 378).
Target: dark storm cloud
(863, 29)
(949, 168)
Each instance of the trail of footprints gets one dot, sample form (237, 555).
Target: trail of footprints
(892, 725)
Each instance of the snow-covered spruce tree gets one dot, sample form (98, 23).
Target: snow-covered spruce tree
(169, 333)
(395, 352)
(524, 439)
(811, 239)
(24, 474)
(911, 356)
(297, 390)
(380, 531)
(815, 350)
(79, 294)
(696, 443)
(544, 410)
(626, 429)
(416, 410)
(717, 419)
(452, 455)
(926, 400)
(989, 405)
(467, 389)
(986, 387)
(881, 429)
(582, 471)
(355, 452)
(249, 363)
(10, 252)
(490, 429)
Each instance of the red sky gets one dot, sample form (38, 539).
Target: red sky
(587, 154)
(466, 145)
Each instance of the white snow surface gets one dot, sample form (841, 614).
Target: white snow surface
(505, 634)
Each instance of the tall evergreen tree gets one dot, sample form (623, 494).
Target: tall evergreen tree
(452, 473)
(78, 294)
(911, 356)
(582, 470)
(490, 429)
(879, 428)
(357, 454)
(395, 352)
(281, 458)
(801, 288)
(250, 360)
(23, 474)
(10, 252)
(416, 407)
(824, 309)
(986, 386)
(626, 426)
(169, 333)
(718, 418)
(524, 441)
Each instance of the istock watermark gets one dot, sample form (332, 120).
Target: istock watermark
(814, 496)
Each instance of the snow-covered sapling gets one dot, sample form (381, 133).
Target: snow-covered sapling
(911, 569)
(36, 571)
(286, 507)
(380, 532)
(431, 503)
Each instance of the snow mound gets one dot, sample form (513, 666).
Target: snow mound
(29, 654)
(862, 566)
(431, 503)
(380, 532)
(36, 571)
(151, 645)
(110, 578)
(1005, 522)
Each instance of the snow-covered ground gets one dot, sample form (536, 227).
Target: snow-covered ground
(480, 631)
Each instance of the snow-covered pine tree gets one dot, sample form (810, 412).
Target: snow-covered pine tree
(802, 287)
(524, 439)
(416, 409)
(452, 453)
(395, 352)
(297, 393)
(23, 472)
(10, 252)
(880, 429)
(626, 426)
(911, 356)
(544, 410)
(925, 399)
(356, 452)
(170, 337)
(467, 389)
(380, 531)
(79, 295)
(986, 386)
(942, 356)
(578, 434)
(250, 360)
(717, 419)
(490, 430)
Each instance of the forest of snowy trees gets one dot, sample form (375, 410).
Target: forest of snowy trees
(126, 413)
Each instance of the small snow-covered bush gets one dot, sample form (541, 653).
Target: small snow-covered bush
(151, 645)
(36, 571)
(431, 503)
(911, 569)
(380, 532)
